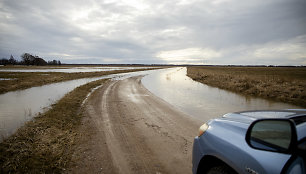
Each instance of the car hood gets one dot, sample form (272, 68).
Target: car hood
(247, 117)
(240, 121)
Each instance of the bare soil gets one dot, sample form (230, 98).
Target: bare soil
(126, 129)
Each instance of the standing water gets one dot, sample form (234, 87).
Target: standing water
(201, 101)
(172, 85)
(20, 106)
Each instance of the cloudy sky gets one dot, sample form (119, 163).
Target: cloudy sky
(156, 31)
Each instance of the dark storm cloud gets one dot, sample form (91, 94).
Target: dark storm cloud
(136, 31)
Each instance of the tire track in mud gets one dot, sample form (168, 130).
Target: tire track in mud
(141, 132)
(129, 154)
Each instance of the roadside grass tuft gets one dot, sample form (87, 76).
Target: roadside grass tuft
(284, 84)
(45, 144)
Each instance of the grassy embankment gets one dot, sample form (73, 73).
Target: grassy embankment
(285, 84)
(23, 80)
(46, 144)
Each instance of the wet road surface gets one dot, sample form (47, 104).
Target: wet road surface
(129, 130)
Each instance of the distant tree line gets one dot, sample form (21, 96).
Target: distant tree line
(28, 59)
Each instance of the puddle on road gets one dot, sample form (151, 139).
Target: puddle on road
(201, 101)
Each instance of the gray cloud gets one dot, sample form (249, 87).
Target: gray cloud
(173, 31)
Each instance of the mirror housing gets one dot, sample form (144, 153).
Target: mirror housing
(275, 135)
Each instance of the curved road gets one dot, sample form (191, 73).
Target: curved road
(129, 130)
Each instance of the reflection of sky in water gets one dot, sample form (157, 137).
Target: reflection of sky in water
(20, 106)
(172, 85)
(74, 70)
(201, 101)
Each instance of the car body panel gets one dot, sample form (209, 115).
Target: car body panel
(225, 139)
(301, 129)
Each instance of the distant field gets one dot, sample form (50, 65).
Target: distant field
(285, 84)
(68, 66)
(11, 81)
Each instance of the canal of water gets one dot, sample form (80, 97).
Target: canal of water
(201, 101)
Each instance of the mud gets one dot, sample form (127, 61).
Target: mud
(127, 129)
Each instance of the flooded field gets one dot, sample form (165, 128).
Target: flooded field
(20, 106)
(172, 85)
(73, 69)
(199, 100)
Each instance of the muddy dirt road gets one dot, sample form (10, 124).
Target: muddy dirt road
(129, 130)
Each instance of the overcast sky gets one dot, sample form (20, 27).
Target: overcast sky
(270, 32)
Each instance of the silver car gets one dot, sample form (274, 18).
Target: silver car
(252, 142)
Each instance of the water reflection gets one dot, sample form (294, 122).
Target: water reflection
(20, 106)
(201, 101)
(172, 85)
(74, 69)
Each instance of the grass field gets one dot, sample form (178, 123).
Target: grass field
(46, 144)
(285, 84)
(23, 80)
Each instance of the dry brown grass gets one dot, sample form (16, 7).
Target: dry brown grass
(45, 145)
(23, 80)
(285, 84)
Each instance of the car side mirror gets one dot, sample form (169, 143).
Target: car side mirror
(276, 135)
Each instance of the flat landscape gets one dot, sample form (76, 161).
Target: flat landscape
(285, 84)
(121, 128)
(22, 80)
(118, 86)
(129, 130)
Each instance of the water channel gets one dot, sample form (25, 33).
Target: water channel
(201, 101)
(172, 85)
(17, 107)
